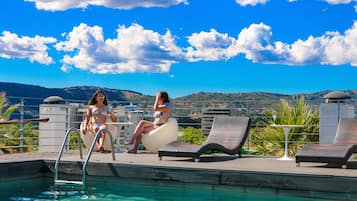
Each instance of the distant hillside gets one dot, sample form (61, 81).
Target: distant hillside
(256, 96)
(71, 93)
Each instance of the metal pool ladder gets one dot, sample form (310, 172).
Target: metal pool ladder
(85, 164)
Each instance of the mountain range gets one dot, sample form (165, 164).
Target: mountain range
(200, 99)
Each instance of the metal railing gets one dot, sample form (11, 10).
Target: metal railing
(86, 162)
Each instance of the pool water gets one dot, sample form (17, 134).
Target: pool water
(109, 189)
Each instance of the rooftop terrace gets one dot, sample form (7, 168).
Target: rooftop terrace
(250, 170)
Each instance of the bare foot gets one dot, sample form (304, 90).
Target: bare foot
(101, 149)
(131, 151)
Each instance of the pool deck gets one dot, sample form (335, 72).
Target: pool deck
(249, 170)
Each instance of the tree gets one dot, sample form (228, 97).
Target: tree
(5, 110)
(6, 130)
(267, 140)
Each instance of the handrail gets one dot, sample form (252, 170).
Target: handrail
(24, 121)
(97, 135)
(62, 148)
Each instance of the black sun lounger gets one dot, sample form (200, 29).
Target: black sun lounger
(338, 152)
(228, 134)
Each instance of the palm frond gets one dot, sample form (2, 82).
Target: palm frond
(268, 140)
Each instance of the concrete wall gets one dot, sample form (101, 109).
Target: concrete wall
(52, 132)
(329, 118)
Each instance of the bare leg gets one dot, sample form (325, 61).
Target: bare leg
(139, 130)
(95, 129)
(142, 128)
(100, 141)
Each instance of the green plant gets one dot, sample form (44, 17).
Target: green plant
(11, 132)
(73, 141)
(5, 110)
(268, 140)
(192, 136)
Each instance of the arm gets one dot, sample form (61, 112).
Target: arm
(162, 108)
(112, 116)
(156, 104)
(158, 107)
(87, 119)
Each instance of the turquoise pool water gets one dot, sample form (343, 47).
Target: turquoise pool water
(109, 189)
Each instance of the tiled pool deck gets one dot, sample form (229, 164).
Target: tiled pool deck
(216, 169)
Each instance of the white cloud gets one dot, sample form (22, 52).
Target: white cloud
(342, 48)
(60, 5)
(133, 50)
(250, 2)
(255, 42)
(338, 1)
(65, 68)
(332, 48)
(209, 46)
(24, 47)
(136, 49)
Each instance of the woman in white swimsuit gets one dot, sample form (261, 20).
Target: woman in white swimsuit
(97, 113)
(162, 112)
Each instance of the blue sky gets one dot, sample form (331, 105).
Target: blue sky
(181, 46)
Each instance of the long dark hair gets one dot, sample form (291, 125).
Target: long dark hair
(93, 100)
(165, 96)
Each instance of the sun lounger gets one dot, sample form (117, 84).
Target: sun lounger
(228, 134)
(338, 152)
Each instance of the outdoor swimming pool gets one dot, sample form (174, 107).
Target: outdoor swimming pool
(41, 189)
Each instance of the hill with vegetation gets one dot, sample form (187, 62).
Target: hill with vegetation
(183, 105)
(82, 93)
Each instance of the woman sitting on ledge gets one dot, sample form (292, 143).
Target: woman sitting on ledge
(162, 112)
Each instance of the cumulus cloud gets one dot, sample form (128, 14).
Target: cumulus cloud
(339, 1)
(250, 2)
(332, 48)
(135, 49)
(336, 2)
(209, 46)
(255, 42)
(256, 2)
(61, 5)
(24, 47)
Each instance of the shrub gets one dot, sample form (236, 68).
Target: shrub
(192, 136)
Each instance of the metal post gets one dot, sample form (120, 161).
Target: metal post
(67, 123)
(22, 125)
(338, 112)
(248, 143)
